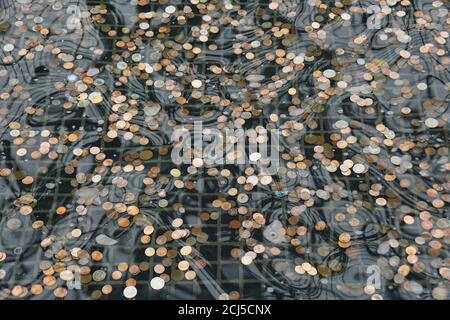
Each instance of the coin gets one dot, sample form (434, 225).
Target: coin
(67, 275)
(186, 250)
(99, 275)
(13, 224)
(196, 84)
(197, 162)
(246, 260)
(157, 283)
(431, 123)
(359, 168)
(130, 292)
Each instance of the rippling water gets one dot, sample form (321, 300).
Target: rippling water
(42, 106)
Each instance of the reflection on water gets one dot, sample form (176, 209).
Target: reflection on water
(92, 205)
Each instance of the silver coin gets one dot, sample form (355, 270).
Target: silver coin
(13, 224)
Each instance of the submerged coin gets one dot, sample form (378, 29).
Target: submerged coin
(14, 224)
(157, 283)
(130, 292)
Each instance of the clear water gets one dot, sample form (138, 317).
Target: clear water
(40, 93)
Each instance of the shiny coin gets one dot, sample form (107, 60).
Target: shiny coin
(130, 292)
(157, 283)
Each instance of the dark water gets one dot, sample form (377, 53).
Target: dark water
(42, 104)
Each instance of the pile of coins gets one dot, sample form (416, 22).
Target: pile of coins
(92, 94)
